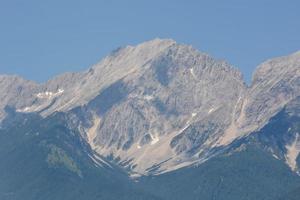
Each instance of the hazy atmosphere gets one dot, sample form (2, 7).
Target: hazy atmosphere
(40, 39)
(149, 100)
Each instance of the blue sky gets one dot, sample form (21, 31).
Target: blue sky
(40, 39)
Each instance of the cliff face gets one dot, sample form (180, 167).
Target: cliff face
(275, 82)
(160, 105)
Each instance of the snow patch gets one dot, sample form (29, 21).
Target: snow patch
(193, 73)
(24, 110)
(135, 176)
(103, 161)
(188, 123)
(148, 97)
(184, 128)
(154, 139)
(49, 95)
(210, 110)
(97, 163)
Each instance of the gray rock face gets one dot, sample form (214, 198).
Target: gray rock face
(160, 105)
(275, 83)
(280, 136)
(15, 92)
(292, 145)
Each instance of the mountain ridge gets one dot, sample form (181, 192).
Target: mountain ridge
(160, 100)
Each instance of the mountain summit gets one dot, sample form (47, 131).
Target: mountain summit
(156, 121)
(160, 106)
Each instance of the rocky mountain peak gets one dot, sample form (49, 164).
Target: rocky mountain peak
(275, 83)
(280, 66)
(160, 100)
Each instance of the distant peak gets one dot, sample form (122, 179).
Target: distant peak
(11, 76)
(285, 57)
(156, 43)
(160, 41)
(14, 78)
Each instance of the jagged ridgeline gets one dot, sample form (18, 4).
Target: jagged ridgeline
(159, 120)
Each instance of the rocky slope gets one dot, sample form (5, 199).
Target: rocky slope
(160, 106)
(280, 137)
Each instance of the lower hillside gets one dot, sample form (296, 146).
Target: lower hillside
(43, 159)
(247, 174)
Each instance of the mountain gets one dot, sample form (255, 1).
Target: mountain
(159, 120)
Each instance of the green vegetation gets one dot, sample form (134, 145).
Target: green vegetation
(244, 175)
(58, 157)
(48, 165)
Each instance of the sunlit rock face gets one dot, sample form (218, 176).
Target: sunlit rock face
(160, 105)
(275, 83)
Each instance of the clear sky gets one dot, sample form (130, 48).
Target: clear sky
(39, 39)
